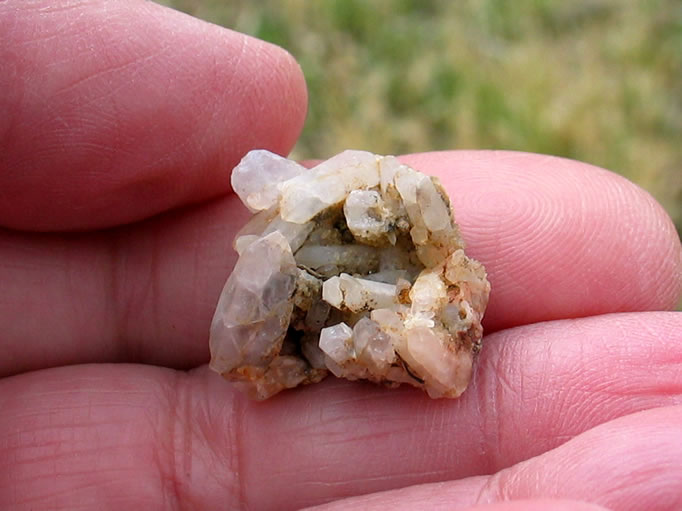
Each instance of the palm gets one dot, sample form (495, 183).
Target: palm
(581, 409)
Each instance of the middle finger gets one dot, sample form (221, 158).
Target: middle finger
(560, 239)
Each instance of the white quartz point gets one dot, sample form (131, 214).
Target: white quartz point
(249, 323)
(257, 223)
(367, 218)
(433, 230)
(435, 211)
(295, 234)
(243, 242)
(424, 204)
(351, 293)
(373, 346)
(351, 258)
(328, 184)
(388, 166)
(337, 343)
(446, 370)
(257, 177)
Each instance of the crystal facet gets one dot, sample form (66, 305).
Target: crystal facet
(355, 267)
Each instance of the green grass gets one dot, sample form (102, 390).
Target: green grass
(594, 80)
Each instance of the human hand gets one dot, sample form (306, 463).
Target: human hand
(113, 112)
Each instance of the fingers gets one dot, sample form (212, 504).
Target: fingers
(113, 111)
(559, 239)
(147, 433)
(631, 463)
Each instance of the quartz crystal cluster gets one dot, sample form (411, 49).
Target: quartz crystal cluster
(355, 267)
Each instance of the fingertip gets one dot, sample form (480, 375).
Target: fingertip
(271, 86)
(290, 86)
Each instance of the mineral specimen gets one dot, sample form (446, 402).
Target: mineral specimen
(355, 267)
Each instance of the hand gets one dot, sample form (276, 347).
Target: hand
(119, 124)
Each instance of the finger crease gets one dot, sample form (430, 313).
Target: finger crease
(116, 299)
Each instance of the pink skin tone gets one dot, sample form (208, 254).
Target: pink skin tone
(126, 117)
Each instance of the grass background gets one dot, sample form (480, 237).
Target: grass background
(594, 80)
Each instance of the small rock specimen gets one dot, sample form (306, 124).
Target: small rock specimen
(355, 267)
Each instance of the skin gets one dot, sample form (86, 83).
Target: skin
(120, 123)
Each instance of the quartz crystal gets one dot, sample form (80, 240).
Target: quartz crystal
(355, 267)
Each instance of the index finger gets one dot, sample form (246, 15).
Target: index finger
(114, 111)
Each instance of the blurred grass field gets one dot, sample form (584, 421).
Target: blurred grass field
(594, 80)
